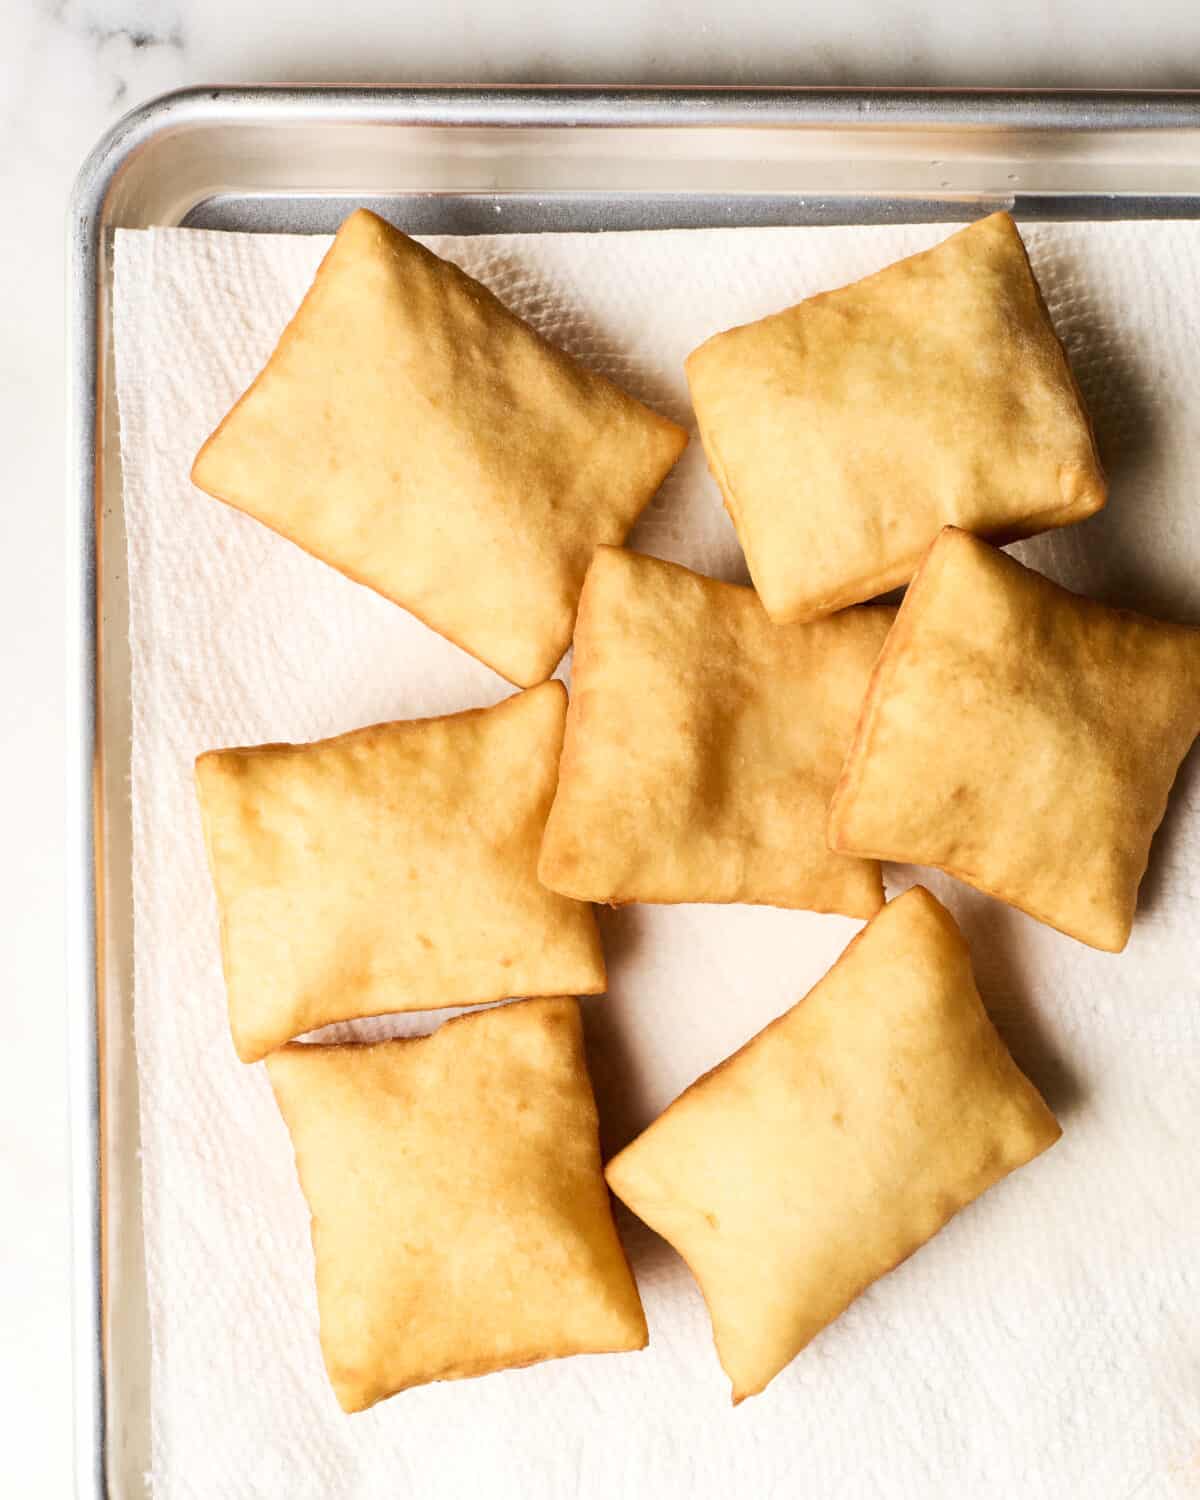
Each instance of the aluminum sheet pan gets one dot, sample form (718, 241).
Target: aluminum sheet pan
(467, 160)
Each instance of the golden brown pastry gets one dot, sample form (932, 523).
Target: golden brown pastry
(837, 1141)
(846, 431)
(422, 439)
(393, 868)
(1022, 738)
(460, 1220)
(703, 745)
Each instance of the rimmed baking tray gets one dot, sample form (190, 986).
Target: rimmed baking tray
(463, 160)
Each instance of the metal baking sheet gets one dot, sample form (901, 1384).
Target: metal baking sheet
(455, 161)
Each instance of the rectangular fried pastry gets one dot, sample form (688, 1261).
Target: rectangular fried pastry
(703, 745)
(837, 1141)
(1022, 738)
(415, 434)
(393, 868)
(460, 1221)
(846, 431)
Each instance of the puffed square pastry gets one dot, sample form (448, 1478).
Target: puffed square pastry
(837, 1141)
(460, 1221)
(421, 438)
(390, 869)
(703, 745)
(1021, 738)
(846, 431)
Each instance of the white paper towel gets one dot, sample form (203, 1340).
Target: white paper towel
(1045, 1344)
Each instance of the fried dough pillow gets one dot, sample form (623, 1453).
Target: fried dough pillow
(846, 431)
(460, 1221)
(837, 1141)
(1021, 738)
(419, 437)
(391, 869)
(703, 745)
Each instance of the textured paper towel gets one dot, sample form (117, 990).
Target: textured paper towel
(1045, 1344)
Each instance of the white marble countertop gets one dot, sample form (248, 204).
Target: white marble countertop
(68, 69)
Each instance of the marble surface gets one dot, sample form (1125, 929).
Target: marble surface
(68, 69)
